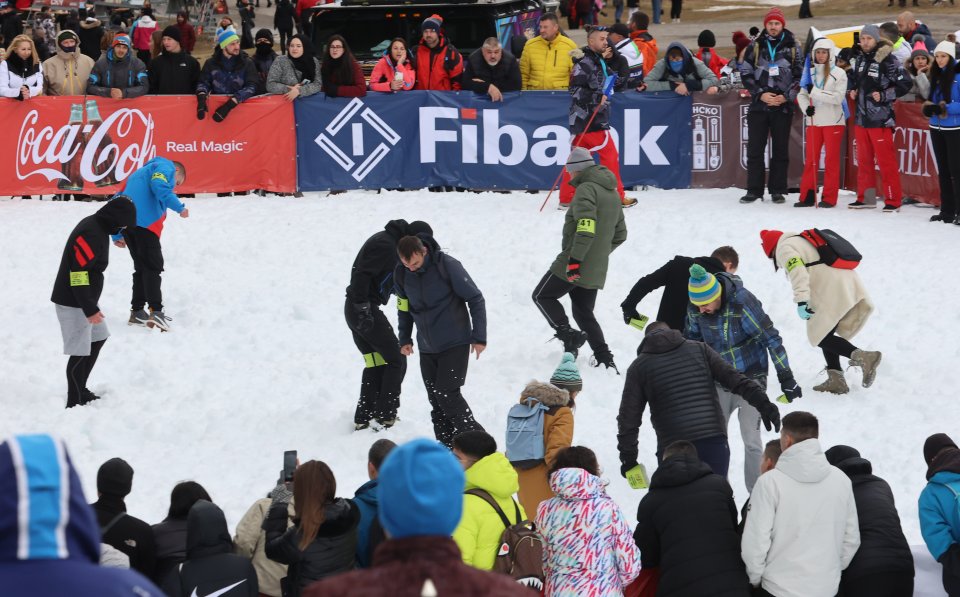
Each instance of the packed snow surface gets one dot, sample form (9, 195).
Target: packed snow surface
(260, 360)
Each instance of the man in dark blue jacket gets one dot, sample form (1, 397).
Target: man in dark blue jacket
(56, 550)
(435, 294)
(369, 535)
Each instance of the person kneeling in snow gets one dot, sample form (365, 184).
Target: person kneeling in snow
(832, 301)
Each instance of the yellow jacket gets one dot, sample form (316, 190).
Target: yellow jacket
(545, 64)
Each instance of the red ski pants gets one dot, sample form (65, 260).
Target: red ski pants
(817, 138)
(600, 143)
(875, 145)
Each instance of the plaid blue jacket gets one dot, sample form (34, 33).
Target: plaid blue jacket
(740, 330)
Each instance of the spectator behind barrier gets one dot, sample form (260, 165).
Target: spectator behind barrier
(394, 72)
(919, 68)
(21, 74)
(945, 129)
(119, 74)
(640, 34)
(188, 35)
(491, 71)
(174, 71)
(339, 70)
(680, 72)
(58, 552)
(545, 62)
(263, 57)
(228, 72)
(707, 53)
(67, 73)
(619, 37)
(439, 64)
(296, 74)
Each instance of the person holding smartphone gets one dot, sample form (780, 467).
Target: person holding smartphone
(393, 71)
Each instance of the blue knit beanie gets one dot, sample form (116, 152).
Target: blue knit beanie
(420, 490)
(567, 376)
(703, 287)
(226, 37)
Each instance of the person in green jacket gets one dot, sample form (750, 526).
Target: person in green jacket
(489, 471)
(593, 228)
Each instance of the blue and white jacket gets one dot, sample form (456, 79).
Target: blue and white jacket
(952, 119)
(151, 190)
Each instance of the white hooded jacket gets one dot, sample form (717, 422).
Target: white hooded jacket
(802, 528)
(828, 92)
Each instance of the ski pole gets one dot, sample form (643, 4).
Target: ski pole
(572, 143)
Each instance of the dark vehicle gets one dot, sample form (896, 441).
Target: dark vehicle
(370, 25)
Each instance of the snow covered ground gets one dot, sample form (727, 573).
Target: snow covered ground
(260, 360)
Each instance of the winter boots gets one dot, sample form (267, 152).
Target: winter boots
(138, 317)
(868, 361)
(159, 320)
(835, 384)
(572, 339)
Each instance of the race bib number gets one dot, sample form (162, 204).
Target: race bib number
(79, 278)
(794, 263)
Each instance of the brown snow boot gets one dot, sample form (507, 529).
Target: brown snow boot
(868, 361)
(835, 384)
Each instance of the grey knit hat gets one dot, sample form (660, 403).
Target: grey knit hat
(580, 159)
(871, 30)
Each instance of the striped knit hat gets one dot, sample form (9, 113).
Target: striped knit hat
(121, 38)
(567, 376)
(227, 37)
(703, 287)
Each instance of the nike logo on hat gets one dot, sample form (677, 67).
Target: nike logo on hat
(220, 592)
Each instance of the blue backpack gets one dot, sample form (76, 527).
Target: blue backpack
(525, 448)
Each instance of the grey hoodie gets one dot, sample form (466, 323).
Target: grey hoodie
(694, 73)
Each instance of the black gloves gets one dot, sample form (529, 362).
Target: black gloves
(791, 391)
(364, 317)
(201, 106)
(770, 415)
(573, 270)
(221, 113)
(629, 314)
(930, 110)
(624, 468)
(811, 110)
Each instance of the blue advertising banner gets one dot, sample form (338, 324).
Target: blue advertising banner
(420, 139)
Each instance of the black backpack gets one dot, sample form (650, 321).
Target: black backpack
(834, 250)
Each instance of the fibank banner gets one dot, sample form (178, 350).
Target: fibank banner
(91, 145)
(421, 138)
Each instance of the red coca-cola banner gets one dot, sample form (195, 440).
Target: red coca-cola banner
(918, 166)
(91, 145)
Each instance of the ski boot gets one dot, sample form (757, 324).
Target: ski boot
(835, 383)
(868, 361)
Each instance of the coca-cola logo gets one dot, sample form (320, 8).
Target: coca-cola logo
(115, 147)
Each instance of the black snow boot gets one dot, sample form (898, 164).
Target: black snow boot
(572, 339)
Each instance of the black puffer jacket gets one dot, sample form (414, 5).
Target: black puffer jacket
(673, 277)
(332, 552)
(371, 278)
(211, 567)
(170, 537)
(85, 257)
(505, 75)
(687, 526)
(174, 74)
(878, 70)
(883, 548)
(677, 378)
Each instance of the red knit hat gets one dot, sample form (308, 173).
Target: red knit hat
(769, 240)
(775, 14)
(740, 41)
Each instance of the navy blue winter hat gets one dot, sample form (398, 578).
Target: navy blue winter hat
(434, 22)
(420, 490)
(37, 477)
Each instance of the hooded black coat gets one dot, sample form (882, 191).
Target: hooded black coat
(170, 537)
(678, 378)
(883, 548)
(85, 257)
(673, 277)
(371, 278)
(211, 566)
(332, 552)
(687, 526)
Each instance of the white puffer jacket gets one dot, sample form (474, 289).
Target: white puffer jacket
(10, 83)
(828, 93)
(802, 528)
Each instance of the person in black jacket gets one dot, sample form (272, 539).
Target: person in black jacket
(491, 71)
(170, 536)
(323, 540)
(76, 292)
(371, 284)
(263, 57)
(883, 566)
(439, 296)
(687, 528)
(211, 567)
(673, 277)
(678, 378)
(118, 529)
(283, 20)
(174, 71)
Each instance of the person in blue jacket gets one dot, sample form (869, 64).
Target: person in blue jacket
(940, 507)
(366, 499)
(152, 190)
(49, 538)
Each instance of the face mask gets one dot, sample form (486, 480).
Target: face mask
(69, 50)
(676, 65)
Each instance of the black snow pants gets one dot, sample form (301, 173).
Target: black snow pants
(444, 373)
(384, 368)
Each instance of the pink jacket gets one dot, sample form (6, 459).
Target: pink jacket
(588, 548)
(384, 72)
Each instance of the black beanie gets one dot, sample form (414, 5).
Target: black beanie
(706, 39)
(115, 478)
(173, 32)
(263, 34)
(935, 444)
(838, 454)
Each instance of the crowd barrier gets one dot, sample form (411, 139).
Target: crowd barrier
(409, 140)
